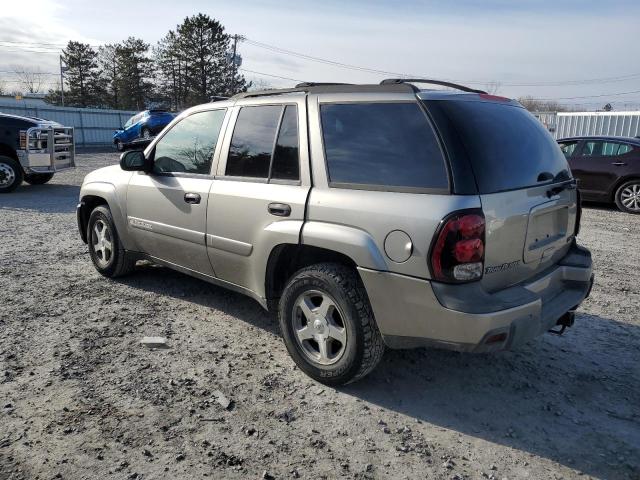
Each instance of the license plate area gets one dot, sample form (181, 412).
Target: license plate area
(547, 230)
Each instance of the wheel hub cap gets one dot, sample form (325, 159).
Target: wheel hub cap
(319, 327)
(7, 175)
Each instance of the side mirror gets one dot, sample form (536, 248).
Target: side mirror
(135, 161)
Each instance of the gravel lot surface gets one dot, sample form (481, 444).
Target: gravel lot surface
(82, 399)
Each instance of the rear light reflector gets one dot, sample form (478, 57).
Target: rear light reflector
(457, 253)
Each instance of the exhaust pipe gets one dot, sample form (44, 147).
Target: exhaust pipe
(565, 321)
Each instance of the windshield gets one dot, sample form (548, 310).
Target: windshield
(507, 147)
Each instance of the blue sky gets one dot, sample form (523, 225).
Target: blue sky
(507, 42)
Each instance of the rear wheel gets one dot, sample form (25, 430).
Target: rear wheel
(628, 197)
(11, 174)
(328, 325)
(38, 178)
(105, 248)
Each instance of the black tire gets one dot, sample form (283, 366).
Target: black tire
(38, 178)
(11, 174)
(145, 133)
(119, 145)
(363, 348)
(117, 262)
(628, 196)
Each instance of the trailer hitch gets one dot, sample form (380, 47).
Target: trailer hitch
(564, 321)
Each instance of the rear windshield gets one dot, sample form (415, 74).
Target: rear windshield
(507, 147)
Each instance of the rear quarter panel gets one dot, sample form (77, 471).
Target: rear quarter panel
(357, 222)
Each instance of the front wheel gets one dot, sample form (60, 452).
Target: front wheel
(628, 197)
(38, 178)
(328, 325)
(119, 146)
(10, 174)
(105, 248)
(146, 133)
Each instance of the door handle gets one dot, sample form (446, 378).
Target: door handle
(279, 209)
(192, 198)
(619, 164)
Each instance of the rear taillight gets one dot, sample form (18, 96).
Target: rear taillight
(457, 253)
(23, 140)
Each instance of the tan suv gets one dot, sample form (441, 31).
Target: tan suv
(366, 215)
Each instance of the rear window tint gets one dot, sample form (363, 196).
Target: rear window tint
(508, 148)
(381, 145)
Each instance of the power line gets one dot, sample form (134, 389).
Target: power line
(385, 72)
(271, 75)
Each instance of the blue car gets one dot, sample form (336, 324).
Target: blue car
(142, 126)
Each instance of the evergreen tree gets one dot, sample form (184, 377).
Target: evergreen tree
(109, 75)
(135, 70)
(82, 87)
(193, 63)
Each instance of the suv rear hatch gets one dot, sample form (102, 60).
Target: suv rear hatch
(525, 186)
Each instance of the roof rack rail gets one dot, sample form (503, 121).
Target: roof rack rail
(218, 98)
(264, 93)
(391, 81)
(319, 84)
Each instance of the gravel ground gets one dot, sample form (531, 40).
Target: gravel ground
(82, 399)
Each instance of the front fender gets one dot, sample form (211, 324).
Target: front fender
(114, 199)
(352, 242)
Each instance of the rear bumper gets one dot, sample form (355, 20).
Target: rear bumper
(413, 312)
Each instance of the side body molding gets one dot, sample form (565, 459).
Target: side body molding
(352, 242)
(115, 198)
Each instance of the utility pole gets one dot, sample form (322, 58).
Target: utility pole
(62, 69)
(234, 61)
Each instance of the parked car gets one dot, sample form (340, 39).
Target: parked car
(365, 215)
(32, 149)
(142, 126)
(607, 169)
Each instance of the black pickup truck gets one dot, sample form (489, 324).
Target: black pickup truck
(32, 149)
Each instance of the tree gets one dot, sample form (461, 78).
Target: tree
(537, 105)
(170, 67)
(135, 70)
(30, 80)
(82, 86)
(109, 75)
(194, 64)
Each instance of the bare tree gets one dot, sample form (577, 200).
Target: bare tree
(3, 87)
(537, 105)
(492, 87)
(29, 79)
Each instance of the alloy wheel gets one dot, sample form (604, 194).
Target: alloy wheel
(630, 197)
(102, 243)
(319, 327)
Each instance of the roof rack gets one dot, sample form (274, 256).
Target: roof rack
(313, 87)
(319, 84)
(395, 81)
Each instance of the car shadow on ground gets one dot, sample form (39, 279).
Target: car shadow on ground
(545, 399)
(47, 198)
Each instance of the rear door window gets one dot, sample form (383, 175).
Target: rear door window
(265, 143)
(383, 146)
(605, 149)
(507, 147)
